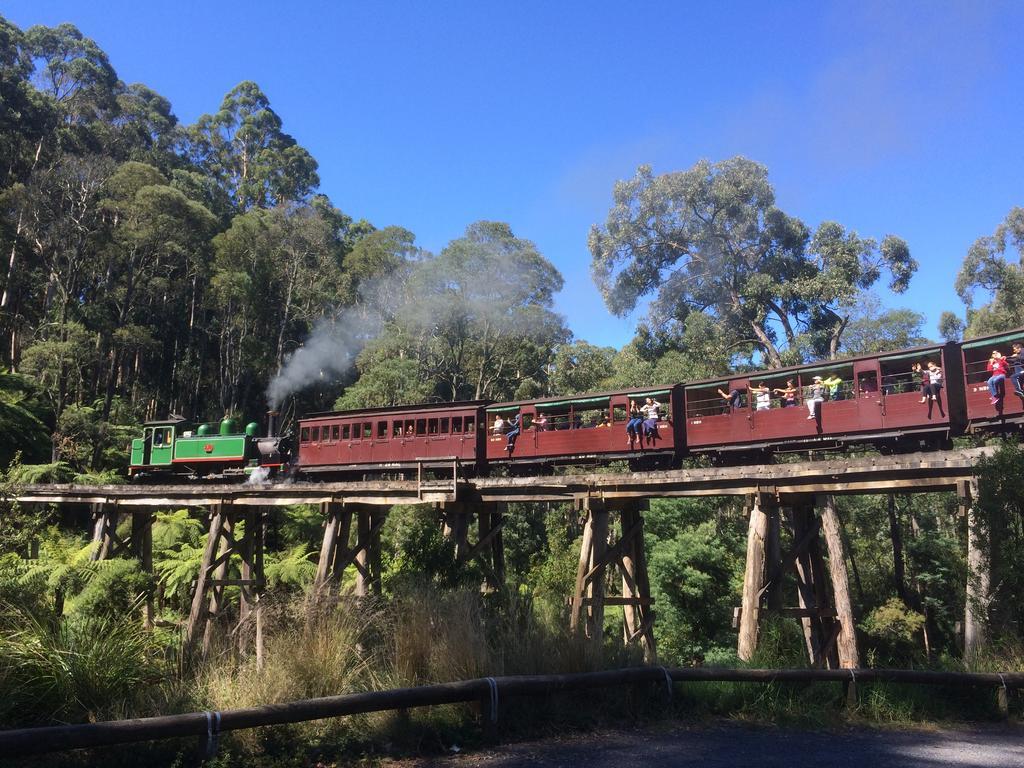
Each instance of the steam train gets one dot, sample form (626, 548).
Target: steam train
(878, 402)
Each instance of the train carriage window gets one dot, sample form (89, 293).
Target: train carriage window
(444, 425)
(346, 431)
(367, 430)
(705, 401)
(589, 418)
(834, 390)
(867, 382)
(620, 413)
(976, 360)
(899, 376)
(558, 416)
(304, 435)
(469, 424)
(335, 431)
(777, 390)
(316, 434)
(410, 428)
(527, 421)
(158, 437)
(457, 425)
(396, 429)
(382, 430)
(421, 427)
(431, 426)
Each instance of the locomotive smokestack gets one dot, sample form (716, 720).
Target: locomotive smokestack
(272, 423)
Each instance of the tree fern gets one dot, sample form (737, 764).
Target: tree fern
(293, 567)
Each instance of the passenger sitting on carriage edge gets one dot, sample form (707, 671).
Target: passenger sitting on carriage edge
(934, 380)
(1016, 362)
(732, 400)
(788, 394)
(635, 420)
(652, 412)
(998, 367)
(815, 395)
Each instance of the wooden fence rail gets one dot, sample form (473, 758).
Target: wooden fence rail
(489, 691)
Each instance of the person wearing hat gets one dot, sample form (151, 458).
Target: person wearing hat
(816, 395)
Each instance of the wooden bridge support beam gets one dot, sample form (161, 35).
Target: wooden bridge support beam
(753, 578)
(589, 599)
(489, 548)
(824, 606)
(338, 551)
(846, 644)
(979, 555)
(208, 599)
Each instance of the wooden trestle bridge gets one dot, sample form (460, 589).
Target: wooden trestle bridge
(796, 495)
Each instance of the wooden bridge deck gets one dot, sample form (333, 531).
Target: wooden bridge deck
(917, 472)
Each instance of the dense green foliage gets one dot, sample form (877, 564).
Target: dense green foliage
(710, 240)
(985, 268)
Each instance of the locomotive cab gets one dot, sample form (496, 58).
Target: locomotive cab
(155, 449)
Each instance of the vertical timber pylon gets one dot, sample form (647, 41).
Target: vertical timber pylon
(978, 571)
(753, 578)
(338, 551)
(208, 600)
(489, 548)
(823, 594)
(107, 543)
(589, 599)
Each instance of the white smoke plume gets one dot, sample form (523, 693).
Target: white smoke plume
(329, 351)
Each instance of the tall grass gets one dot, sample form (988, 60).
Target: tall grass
(79, 669)
(76, 669)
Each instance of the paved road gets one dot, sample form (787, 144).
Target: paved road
(732, 745)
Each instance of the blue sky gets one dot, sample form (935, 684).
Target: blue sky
(902, 118)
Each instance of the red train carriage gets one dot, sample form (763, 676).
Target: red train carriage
(394, 439)
(981, 412)
(872, 398)
(583, 428)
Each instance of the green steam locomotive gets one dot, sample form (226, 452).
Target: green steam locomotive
(178, 447)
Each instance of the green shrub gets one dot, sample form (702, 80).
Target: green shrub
(75, 669)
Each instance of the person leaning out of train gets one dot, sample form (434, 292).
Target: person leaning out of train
(1016, 362)
(732, 399)
(762, 397)
(832, 384)
(604, 422)
(788, 394)
(541, 423)
(934, 377)
(635, 420)
(998, 370)
(815, 395)
(514, 428)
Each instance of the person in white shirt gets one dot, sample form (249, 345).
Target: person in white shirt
(652, 412)
(762, 397)
(934, 380)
